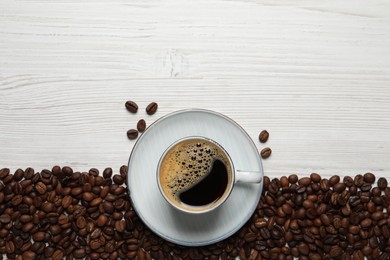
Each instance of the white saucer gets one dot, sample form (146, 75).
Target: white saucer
(167, 222)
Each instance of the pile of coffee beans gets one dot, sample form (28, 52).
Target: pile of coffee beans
(132, 107)
(64, 214)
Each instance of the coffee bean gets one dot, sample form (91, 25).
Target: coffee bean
(324, 184)
(334, 180)
(79, 253)
(108, 207)
(378, 215)
(81, 222)
(118, 179)
(308, 237)
(107, 173)
(131, 106)
(66, 201)
(359, 180)
(263, 136)
(382, 183)
(151, 108)
(141, 125)
(102, 220)
(335, 251)
(95, 244)
(39, 236)
(266, 152)
(29, 255)
(303, 249)
(305, 181)
(4, 173)
(5, 218)
(57, 255)
(9, 247)
(369, 177)
(315, 177)
(339, 187)
(249, 237)
(88, 196)
(96, 202)
(132, 134)
(120, 226)
(293, 178)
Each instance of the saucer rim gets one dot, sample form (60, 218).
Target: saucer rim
(232, 230)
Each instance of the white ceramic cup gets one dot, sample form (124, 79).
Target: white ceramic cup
(170, 164)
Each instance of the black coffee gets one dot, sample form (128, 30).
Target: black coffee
(195, 174)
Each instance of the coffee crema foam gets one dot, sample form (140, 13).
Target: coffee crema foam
(186, 164)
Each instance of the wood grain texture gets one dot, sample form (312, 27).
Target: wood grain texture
(316, 75)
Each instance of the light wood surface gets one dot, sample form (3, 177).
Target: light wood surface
(316, 75)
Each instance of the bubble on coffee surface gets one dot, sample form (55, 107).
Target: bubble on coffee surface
(187, 164)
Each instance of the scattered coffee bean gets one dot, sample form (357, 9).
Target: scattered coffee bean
(263, 136)
(151, 108)
(266, 152)
(131, 106)
(132, 134)
(141, 125)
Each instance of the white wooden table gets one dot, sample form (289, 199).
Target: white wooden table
(316, 75)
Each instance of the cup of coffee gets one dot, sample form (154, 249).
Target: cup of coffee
(196, 175)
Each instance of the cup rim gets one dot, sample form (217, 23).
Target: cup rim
(216, 205)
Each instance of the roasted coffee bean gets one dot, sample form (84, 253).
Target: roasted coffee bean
(315, 177)
(335, 251)
(81, 222)
(324, 184)
(334, 180)
(263, 136)
(9, 247)
(339, 187)
(293, 178)
(369, 177)
(348, 181)
(118, 179)
(66, 201)
(266, 152)
(131, 106)
(102, 220)
(123, 171)
(378, 215)
(5, 218)
(151, 108)
(79, 253)
(141, 125)
(29, 255)
(57, 255)
(382, 183)
(359, 180)
(305, 181)
(96, 202)
(4, 173)
(108, 207)
(39, 236)
(132, 134)
(88, 196)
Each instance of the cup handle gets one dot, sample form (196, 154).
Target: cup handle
(248, 176)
